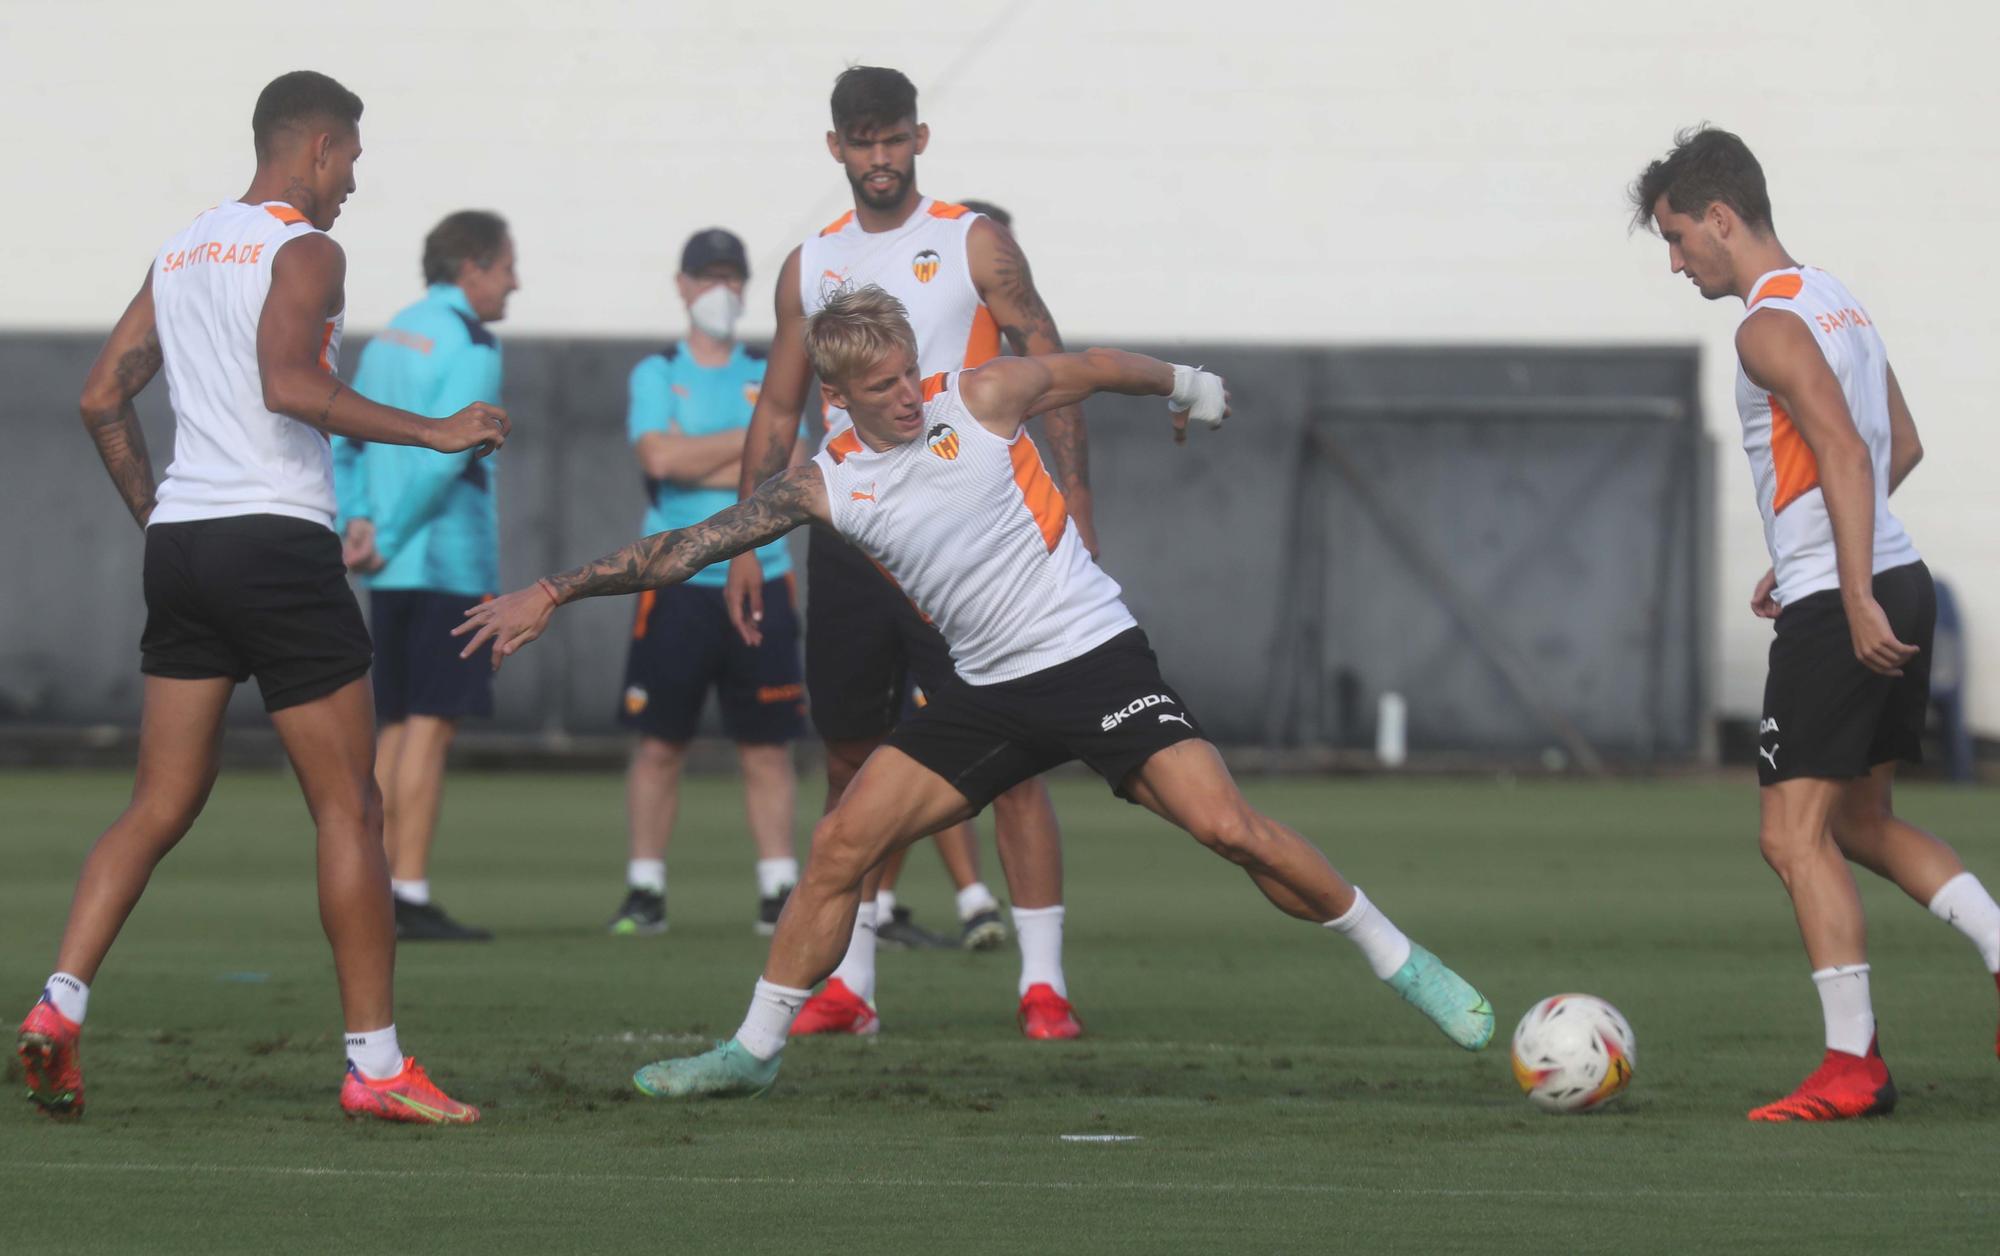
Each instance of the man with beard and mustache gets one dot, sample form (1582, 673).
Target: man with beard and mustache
(966, 285)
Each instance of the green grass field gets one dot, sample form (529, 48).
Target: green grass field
(1282, 1100)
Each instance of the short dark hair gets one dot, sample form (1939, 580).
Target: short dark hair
(992, 211)
(300, 96)
(470, 235)
(871, 96)
(1706, 165)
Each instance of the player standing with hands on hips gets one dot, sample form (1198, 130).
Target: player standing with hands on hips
(937, 481)
(1829, 438)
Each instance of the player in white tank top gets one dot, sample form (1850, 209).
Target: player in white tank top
(1829, 437)
(243, 575)
(967, 287)
(931, 483)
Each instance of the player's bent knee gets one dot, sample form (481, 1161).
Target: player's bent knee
(839, 855)
(1231, 832)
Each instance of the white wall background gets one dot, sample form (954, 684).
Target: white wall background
(1249, 171)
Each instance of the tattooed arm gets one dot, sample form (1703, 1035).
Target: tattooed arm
(127, 363)
(1000, 273)
(769, 444)
(786, 501)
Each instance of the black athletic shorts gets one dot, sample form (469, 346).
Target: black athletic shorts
(252, 595)
(417, 668)
(1109, 708)
(1826, 715)
(865, 643)
(683, 645)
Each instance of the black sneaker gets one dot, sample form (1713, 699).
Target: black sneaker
(643, 915)
(768, 910)
(902, 933)
(428, 922)
(984, 931)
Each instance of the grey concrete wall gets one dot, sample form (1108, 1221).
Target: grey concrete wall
(1198, 535)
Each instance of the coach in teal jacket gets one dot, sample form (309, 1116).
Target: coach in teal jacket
(423, 529)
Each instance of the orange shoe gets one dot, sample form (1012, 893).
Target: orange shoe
(1045, 1014)
(1843, 1086)
(51, 1061)
(408, 1096)
(837, 1010)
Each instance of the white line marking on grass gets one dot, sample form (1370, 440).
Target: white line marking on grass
(998, 1184)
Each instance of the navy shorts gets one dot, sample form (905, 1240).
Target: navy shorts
(417, 668)
(683, 646)
(252, 595)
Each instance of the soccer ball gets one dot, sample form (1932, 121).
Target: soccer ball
(1573, 1052)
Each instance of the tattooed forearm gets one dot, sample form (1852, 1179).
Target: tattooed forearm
(1068, 448)
(671, 557)
(114, 428)
(121, 443)
(326, 411)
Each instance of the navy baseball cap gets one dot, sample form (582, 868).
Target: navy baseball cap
(713, 247)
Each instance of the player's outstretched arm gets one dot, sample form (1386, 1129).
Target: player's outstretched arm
(1005, 283)
(1007, 392)
(1780, 356)
(127, 363)
(783, 503)
(308, 277)
(770, 440)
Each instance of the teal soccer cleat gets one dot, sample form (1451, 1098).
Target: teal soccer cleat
(727, 1071)
(1444, 996)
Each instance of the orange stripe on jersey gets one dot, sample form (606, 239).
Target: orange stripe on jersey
(983, 345)
(935, 385)
(842, 445)
(325, 344)
(1044, 500)
(837, 223)
(1781, 286)
(646, 601)
(944, 209)
(1791, 457)
(285, 214)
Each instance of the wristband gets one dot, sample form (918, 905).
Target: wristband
(549, 589)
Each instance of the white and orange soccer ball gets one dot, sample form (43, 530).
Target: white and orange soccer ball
(1573, 1053)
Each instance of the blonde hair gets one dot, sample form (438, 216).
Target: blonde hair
(856, 328)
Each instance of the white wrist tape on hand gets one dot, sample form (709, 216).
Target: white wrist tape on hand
(1199, 393)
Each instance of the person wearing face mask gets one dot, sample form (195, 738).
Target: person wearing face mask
(423, 531)
(690, 405)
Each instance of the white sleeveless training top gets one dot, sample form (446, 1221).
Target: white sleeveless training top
(231, 455)
(923, 264)
(1797, 529)
(977, 534)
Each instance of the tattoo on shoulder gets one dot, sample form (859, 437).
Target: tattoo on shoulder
(138, 366)
(1027, 315)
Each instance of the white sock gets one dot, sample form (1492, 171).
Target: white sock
(647, 874)
(1850, 1013)
(1382, 943)
(1965, 905)
(376, 1054)
(774, 876)
(885, 905)
(69, 994)
(857, 967)
(1040, 931)
(769, 1021)
(415, 892)
(976, 898)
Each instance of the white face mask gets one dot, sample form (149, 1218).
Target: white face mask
(715, 311)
